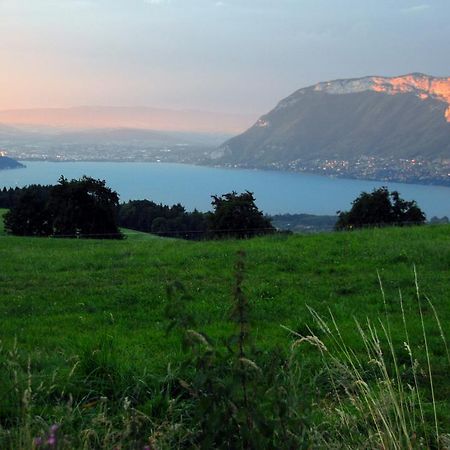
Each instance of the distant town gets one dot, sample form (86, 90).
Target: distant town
(109, 151)
(418, 171)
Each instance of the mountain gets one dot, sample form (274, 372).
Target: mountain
(9, 163)
(381, 117)
(129, 117)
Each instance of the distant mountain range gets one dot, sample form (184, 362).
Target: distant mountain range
(9, 163)
(129, 117)
(400, 117)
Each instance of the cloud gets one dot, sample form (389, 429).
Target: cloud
(416, 8)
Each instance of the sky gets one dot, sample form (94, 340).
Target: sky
(234, 56)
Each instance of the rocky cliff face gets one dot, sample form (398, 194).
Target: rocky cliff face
(422, 86)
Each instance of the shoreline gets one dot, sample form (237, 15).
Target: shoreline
(437, 183)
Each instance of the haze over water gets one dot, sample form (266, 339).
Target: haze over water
(192, 186)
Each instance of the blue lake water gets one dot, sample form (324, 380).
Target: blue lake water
(192, 186)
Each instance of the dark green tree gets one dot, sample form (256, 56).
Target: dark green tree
(173, 221)
(9, 197)
(236, 215)
(29, 214)
(85, 208)
(406, 212)
(378, 208)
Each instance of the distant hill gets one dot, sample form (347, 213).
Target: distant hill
(401, 117)
(129, 117)
(127, 135)
(9, 163)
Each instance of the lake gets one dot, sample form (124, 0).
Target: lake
(275, 192)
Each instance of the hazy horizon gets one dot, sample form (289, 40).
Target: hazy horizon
(227, 56)
(145, 118)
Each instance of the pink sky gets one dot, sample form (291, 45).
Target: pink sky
(232, 56)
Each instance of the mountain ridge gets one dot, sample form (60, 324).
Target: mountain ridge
(401, 117)
(421, 84)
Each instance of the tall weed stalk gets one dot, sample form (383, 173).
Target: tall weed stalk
(236, 396)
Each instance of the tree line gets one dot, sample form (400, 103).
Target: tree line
(86, 207)
(9, 196)
(76, 208)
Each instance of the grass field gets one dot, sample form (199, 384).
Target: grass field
(2, 213)
(58, 297)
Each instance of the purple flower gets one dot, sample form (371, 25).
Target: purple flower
(37, 441)
(51, 440)
(54, 428)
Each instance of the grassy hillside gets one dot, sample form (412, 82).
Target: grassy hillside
(55, 293)
(59, 297)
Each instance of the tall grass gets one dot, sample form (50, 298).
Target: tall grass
(378, 399)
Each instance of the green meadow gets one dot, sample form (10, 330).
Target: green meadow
(2, 213)
(60, 297)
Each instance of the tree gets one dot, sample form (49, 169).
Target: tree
(29, 215)
(164, 220)
(238, 216)
(9, 197)
(380, 207)
(84, 207)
